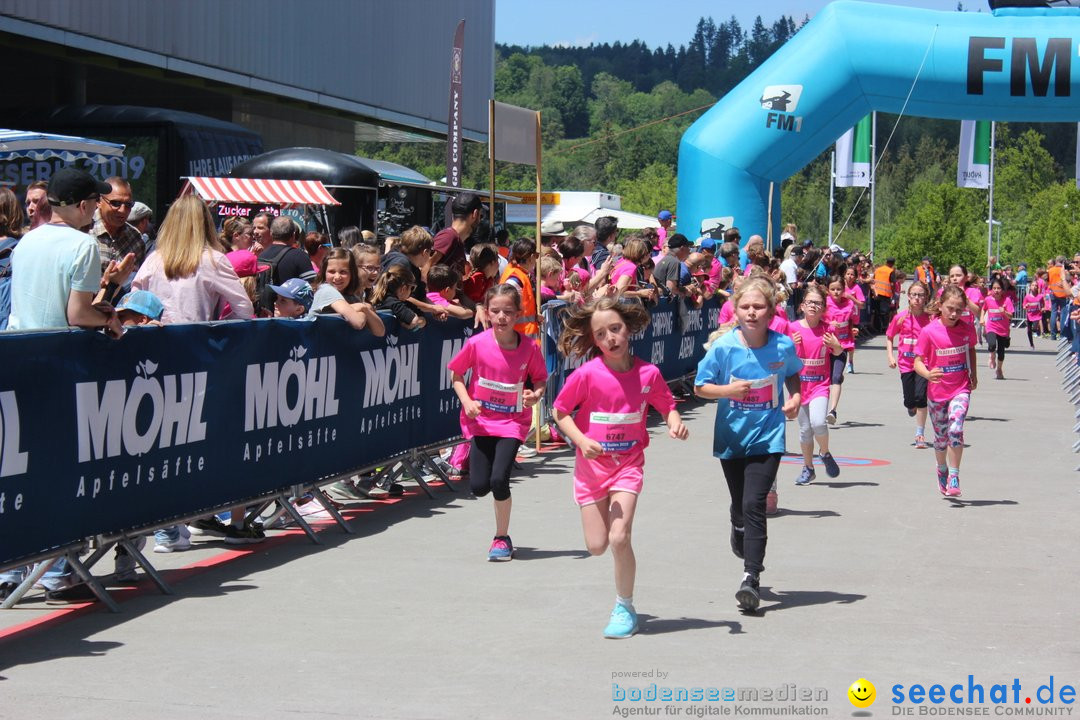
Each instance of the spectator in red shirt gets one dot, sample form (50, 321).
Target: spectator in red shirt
(450, 242)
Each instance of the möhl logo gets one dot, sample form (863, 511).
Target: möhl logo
(269, 398)
(111, 420)
(13, 461)
(392, 373)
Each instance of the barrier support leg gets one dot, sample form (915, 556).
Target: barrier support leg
(24, 587)
(92, 582)
(283, 501)
(413, 467)
(320, 496)
(145, 565)
(429, 462)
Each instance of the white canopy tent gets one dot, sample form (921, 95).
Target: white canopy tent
(46, 146)
(572, 209)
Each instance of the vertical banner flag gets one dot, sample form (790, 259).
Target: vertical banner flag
(973, 165)
(853, 156)
(454, 149)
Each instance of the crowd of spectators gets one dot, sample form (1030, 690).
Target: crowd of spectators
(82, 253)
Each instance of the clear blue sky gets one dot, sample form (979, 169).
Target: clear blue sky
(656, 22)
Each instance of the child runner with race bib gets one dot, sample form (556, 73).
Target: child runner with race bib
(496, 407)
(602, 409)
(945, 356)
(902, 336)
(997, 313)
(842, 319)
(747, 370)
(814, 345)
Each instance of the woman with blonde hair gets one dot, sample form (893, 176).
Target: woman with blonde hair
(188, 270)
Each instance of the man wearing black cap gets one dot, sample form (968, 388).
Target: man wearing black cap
(450, 241)
(56, 269)
(667, 272)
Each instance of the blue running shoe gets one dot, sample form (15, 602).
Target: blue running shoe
(806, 476)
(943, 480)
(501, 549)
(831, 468)
(623, 623)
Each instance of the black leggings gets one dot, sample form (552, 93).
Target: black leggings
(749, 480)
(490, 462)
(996, 344)
(1031, 326)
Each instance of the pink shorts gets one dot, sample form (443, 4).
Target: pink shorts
(595, 479)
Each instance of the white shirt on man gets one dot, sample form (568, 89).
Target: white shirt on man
(48, 264)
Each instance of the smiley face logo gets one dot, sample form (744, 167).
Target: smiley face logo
(862, 693)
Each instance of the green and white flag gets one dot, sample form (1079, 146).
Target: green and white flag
(853, 156)
(973, 165)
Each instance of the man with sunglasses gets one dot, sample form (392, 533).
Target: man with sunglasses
(55, 269)
(115, 237)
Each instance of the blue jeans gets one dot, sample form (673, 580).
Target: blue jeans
(1059, 317)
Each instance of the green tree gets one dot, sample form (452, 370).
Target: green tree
(652, 190)
(1054, 226)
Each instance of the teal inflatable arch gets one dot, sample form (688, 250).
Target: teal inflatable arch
(852, 58)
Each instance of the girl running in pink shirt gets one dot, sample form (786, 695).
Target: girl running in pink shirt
(1033, 307)
(945, 356)
(855, 293)
(842, 319)
(997, 319)
(902, 337)
(496, 404)
(602, 409)
(814, 345)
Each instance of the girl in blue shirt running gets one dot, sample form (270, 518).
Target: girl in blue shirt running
(747, 370)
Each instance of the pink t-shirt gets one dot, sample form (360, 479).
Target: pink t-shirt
(856, 292)
(974, 295)
(436, 299)
(1033, 305)
(612, 407)
(814, 353)
(715, 271)
(947, 348)
(624, 267)
(842, 318)
(779, 323)
(998, 315)
(497, 383)
(904, 330)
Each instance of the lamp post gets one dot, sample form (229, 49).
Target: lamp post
(996, 225)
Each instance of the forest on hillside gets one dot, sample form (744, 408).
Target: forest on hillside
(613, 115)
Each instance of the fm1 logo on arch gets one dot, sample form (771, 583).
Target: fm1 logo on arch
(781, 102)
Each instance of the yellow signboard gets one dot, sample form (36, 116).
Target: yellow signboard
(529, 198)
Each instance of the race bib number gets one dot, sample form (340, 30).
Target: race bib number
(953, 359)
(762, 394)
(813, 370)
(910, 342)
(498, 396)
(614, 431)
(841, 330)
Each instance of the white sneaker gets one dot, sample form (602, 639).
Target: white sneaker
(526, 451)
(181, 543)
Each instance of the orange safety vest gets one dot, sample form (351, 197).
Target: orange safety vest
(1056, 276)
(883, 286)
(926, 276)
(528, 322)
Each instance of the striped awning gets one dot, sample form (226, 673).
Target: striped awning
(47, 146)
(250, 191)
